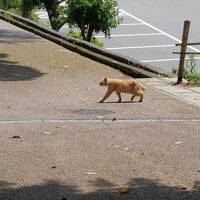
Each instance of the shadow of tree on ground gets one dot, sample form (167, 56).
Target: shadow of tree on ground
(3, 55)
(139, 189)
(11, 71)
(11, 36)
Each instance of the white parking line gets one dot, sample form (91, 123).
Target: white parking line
(42, 15)
(142, 47)
(65, 26)
(130, 35)
(157, 29)
(133, 24)
(164, 60)
(39, 12)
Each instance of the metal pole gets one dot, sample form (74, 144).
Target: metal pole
(191, 43)
(183, 50)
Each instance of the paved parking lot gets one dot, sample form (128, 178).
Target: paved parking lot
(147, 34)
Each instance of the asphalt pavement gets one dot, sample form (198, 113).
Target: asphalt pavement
(167, 18)
(58, 142)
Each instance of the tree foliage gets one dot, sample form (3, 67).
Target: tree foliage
(93, 16)
(9, 4)
(27, 6)
(56, 13)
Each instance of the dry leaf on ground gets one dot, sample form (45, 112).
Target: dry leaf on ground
(123, 190)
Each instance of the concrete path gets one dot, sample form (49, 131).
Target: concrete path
(68, 146)
(189, 94)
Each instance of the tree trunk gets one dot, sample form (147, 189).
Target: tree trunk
(83, 33)
(51, 10)
(25, 8)
(5, 4)
(90, 32)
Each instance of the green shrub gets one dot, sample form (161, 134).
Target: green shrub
(11, 4)
(190, 74)
(33, 16)
(76, 34)
(194, 78)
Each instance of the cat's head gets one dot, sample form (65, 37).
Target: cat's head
(104, 82)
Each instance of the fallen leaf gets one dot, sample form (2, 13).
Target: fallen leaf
(99, 117)
(179, 142)
(183, 188)
(141, 155)
(61, 126)
(46, 132)
(16, 137)
(123, 190)
(90, 173)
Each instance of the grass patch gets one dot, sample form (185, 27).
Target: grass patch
(190, 74)
(76, 34)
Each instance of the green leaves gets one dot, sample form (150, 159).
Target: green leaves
(93, 16)
(190, 74)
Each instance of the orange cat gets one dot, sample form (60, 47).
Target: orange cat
(130, 86)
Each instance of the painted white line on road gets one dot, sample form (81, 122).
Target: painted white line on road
(166, 60)
(134, 24)
(65, 26)
(142, 47)
(123, 14)
(131, 35)
(157, 29)
(42, 15)
(153, 120)
(41, 11)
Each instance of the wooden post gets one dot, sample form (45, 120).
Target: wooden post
(183, 51)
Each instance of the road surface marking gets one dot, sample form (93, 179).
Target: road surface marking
(141, 47)
(134, 24)
(159, 120)
(159, 30)
(164, 60)
(65, 26)
(130, 35)
(43, 16)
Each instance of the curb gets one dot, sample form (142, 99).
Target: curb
(125, 64)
